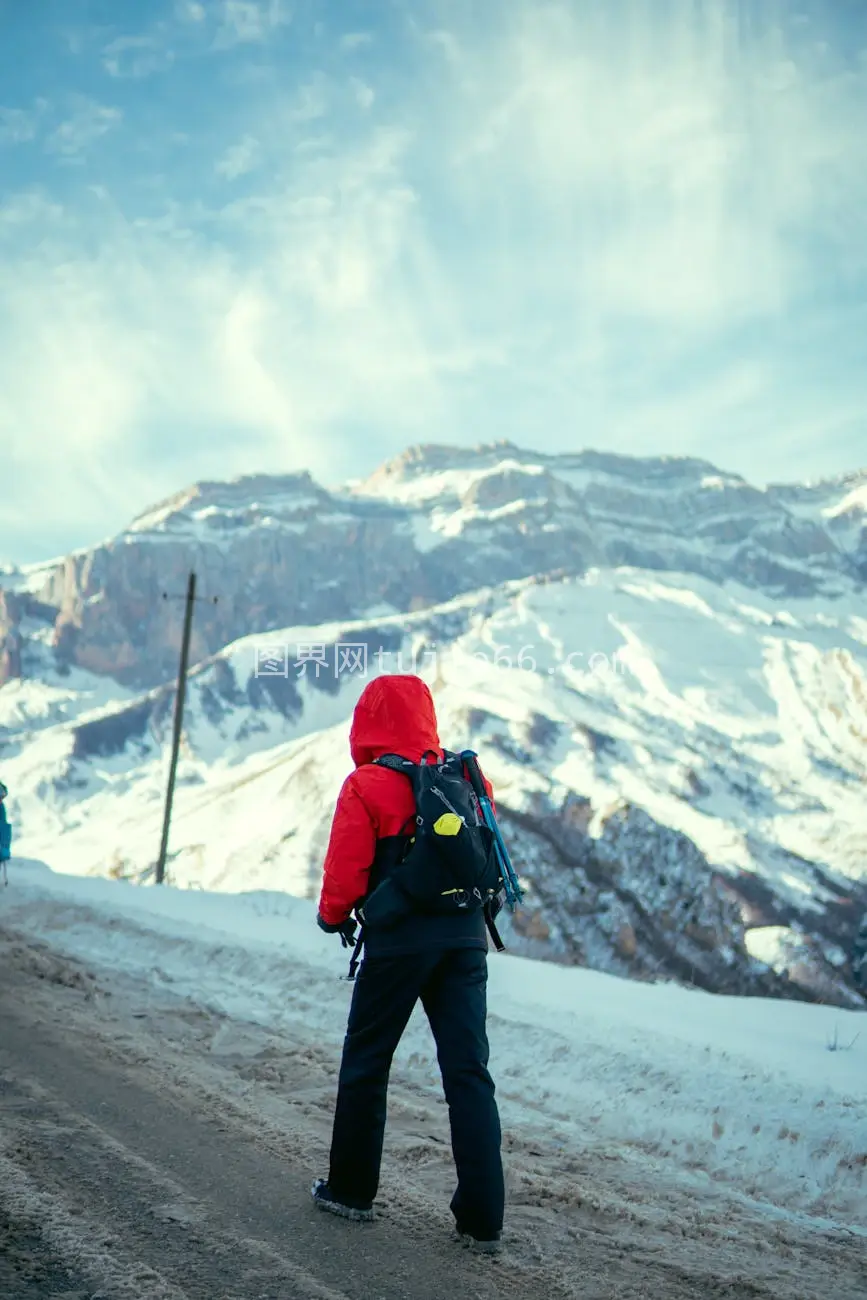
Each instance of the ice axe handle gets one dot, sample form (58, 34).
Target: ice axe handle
(514, 893)
(474, 772)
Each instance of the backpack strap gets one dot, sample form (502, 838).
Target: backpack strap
(493, 931)
(396, 763)
(356, 952)
(356, 957)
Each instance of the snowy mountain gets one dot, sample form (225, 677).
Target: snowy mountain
(434, 523)
(664, 669)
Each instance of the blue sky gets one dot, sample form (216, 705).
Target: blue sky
(246, 235)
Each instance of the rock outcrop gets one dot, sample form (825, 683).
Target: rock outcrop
(10, 636)
(638, 899)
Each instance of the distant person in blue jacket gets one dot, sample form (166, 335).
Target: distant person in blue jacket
(5, 835)
(859, 956)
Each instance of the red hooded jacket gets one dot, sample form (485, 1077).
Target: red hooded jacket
(394, 715)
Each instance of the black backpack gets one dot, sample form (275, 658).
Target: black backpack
(450, 863)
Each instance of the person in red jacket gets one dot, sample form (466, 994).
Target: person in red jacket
(441, 960)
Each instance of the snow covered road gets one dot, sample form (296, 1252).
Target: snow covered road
(154, 1182)
(167, 1063)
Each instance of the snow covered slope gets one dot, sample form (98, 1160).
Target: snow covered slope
(680, 765)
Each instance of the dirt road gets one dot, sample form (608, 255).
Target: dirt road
(152, 1150)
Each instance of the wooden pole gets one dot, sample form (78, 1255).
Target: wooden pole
(176, 737)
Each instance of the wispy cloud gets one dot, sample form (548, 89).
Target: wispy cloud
(87, 123)
(244, 22)
(687, 188)
(136, 56)
(364, 94)
(355, 40)
(310, 103)
(21, 125)
(189, 11)
(240, 158)
(567, 224)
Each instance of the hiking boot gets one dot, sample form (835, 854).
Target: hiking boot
(326, 1200)
(480, 1245)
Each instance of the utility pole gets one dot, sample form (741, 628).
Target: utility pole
(178, 722)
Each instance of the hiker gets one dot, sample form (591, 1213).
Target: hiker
(859, 956)
(5, 835)
(440, 959)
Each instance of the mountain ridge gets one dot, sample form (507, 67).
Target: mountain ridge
(425, 525)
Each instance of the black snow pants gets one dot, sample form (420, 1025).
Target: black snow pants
(452, 985)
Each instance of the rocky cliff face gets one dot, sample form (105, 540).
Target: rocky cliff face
(436, 522)
(271, 551)
(10, 636)
(638, 899)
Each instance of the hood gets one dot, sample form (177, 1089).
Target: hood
(395, 714)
